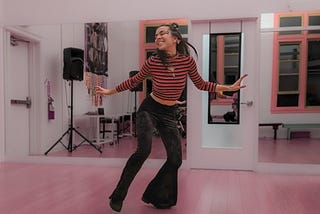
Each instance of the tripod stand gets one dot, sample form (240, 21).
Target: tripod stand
(70, 130)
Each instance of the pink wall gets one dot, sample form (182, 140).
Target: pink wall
(61, 11)
(1, 12)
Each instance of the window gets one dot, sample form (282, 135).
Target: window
(290, 21)
(313, 74)
(296, 63)
(288, 87)
(314, 20)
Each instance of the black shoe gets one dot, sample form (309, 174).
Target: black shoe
(115, 205)
(146, 200)
(156, 205)
(163, 206)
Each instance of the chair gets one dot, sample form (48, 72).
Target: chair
(126, 127)
(103, 121)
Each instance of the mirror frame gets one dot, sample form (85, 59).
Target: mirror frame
(218, 54)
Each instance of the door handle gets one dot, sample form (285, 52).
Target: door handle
(26, 102)
(248, 103)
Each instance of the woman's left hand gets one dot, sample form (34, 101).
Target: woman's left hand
(237, 85)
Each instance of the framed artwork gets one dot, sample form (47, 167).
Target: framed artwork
(96, 48)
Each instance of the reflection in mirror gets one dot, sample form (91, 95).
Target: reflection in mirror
(288, 119)
(123, 57)
(225, 58)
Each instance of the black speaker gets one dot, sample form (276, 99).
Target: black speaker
(139, 86)
(73, 64)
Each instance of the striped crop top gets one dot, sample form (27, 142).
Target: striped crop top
(168, 82)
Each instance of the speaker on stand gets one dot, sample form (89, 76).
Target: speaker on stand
(72, 70)
(135, 90)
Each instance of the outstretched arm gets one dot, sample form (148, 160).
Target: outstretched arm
(234, 87)
(103, 91)
(211, 86)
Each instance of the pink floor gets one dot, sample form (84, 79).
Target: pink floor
(304, 151)
(123, 149)
(70, 189)
(300, 150)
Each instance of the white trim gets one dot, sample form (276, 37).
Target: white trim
(34, 93)
(6, 45)
(198, 21)
(200, 132)
(2, 87)
(19, 31)
(280, 29)
(33, 62)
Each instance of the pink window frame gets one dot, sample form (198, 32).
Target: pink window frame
(302, 40)
(220, 73)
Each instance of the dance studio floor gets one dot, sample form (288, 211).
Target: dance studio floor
(123, 149)
(302, 151)
(297, 151)
(74, 189)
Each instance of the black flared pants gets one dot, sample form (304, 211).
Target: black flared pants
(164, 186)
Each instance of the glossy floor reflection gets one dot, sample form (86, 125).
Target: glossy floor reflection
(303, 151)
(74, 189)
(123, 149)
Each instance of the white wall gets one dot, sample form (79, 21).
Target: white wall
(61, 11)
(2, 137)
(123, 57)
(1, 11)
(75, 11)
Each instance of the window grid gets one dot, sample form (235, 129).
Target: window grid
(292, 97)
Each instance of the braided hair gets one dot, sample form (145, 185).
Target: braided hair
(182, 46)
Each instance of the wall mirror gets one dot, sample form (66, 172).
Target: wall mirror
(123, 57)
(224, 68)
(289, 88)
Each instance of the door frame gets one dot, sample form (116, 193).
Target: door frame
(34, 85)
(195, 117)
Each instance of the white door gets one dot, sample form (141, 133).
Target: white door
(17, 98)
(224, 146)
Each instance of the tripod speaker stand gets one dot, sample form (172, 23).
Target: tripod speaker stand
(72, 70)
(70, 131)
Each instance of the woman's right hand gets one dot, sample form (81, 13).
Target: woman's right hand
(103, 91)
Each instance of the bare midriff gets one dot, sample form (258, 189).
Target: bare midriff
(162, 101)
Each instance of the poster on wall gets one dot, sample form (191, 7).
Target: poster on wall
(96, 58)
(96, 48)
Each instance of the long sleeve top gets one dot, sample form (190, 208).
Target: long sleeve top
(168, 82)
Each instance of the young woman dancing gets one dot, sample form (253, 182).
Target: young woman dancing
(168, 68)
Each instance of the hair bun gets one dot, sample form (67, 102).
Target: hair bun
(175, 26)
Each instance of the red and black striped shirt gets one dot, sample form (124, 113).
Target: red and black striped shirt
(166, 84)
